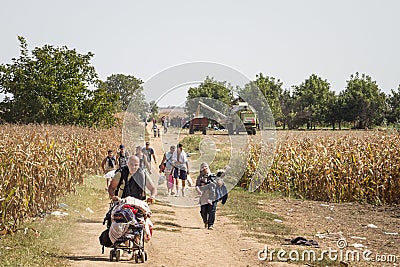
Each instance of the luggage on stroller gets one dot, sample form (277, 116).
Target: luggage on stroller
(128, 226)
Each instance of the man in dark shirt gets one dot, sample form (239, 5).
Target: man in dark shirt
(131, 181)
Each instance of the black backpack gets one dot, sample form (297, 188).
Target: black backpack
(104, 239)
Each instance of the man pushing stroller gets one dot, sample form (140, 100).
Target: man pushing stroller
(131, 181)
(127, 222)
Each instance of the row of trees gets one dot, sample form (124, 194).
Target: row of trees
(312, 103)
(57, 85)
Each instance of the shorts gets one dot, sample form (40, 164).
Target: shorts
(181, 174)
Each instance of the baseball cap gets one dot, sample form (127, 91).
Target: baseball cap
(147, 143)
(121, 146)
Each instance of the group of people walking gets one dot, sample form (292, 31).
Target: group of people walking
(114, 163)
(131, 178)
(164, 126)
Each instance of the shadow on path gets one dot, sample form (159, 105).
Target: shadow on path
(84, 258)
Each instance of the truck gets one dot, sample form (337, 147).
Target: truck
(241, 113)
(198, 124)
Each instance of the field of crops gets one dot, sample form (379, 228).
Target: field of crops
(39, 163)
(362, 166)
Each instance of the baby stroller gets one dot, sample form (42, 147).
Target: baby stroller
(128, 226)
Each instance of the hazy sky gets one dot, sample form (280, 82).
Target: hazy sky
(288, 40)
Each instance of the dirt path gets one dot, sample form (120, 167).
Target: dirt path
(179, 240)
(179, 237)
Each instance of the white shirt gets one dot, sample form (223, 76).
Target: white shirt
(181, 162)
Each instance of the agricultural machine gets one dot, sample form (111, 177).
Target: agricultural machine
(198, 124)
(239, 114)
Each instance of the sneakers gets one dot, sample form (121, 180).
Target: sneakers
(210, 227)
(183, 192)
(205, 225)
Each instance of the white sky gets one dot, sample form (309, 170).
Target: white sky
(288, 39)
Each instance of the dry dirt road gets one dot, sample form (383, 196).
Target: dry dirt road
(179, 238)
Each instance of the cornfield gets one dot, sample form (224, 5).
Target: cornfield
(362, 166)
(38, 164)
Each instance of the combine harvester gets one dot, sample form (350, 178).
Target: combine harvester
(239, 115)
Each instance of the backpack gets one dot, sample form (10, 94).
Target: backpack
(104, 239)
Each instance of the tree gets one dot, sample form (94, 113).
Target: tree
(209, 91)
(127, 87)
(312, 99)
(335, 111)
(364, 103)
(50, 86)
(99, 108)
(271, 91)
(286, 101)
(393, 102)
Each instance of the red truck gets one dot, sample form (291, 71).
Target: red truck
(198, 124)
